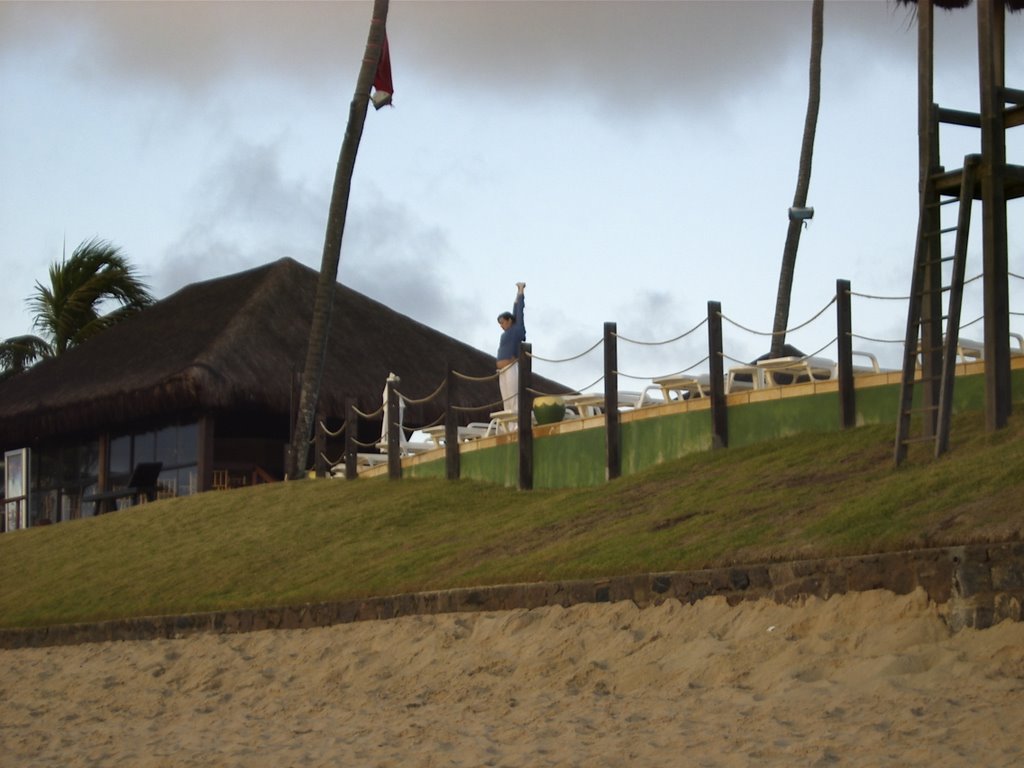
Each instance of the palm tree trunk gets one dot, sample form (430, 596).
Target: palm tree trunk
(802, 183)
(313, 371)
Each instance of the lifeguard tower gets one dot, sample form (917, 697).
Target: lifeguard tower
(946, 198)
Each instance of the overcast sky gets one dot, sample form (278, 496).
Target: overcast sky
(629, 160)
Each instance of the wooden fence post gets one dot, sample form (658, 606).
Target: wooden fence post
(844, 341)
(351, 431)
(320, 446)
(392, 415)
(613, 452)
(452, 457)
(719, 416)
(525, 421)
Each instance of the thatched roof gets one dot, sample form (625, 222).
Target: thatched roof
(950, 5)
(232, 344)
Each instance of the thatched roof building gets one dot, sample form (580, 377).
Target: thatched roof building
(232, 345)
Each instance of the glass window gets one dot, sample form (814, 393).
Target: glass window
(121, 455)
(167, 446)
(187, 481)
(188, 443)
(89, 461)
(145, 447)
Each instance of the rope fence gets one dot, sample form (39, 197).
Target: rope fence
(683, 335)
(713, 323)
(804, 324)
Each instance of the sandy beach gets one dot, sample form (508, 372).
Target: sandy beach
(864, 679)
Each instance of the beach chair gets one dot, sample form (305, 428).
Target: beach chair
(142, 484)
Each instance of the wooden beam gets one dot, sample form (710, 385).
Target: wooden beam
(991, 41)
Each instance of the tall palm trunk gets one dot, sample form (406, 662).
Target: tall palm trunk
(325, 289)
(802, 183)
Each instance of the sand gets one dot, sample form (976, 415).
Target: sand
(866, 679)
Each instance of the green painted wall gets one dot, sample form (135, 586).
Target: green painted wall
(577, 459)
(570, 460)
(647, 442)
(771, 419)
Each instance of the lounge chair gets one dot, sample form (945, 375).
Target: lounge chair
(871, 367)
(141, 484)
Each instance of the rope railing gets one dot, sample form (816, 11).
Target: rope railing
(879, 341)
(329, 433)
(592, 384)
(732, 359)
(821, 349)
(978, 319)
(804, 324)
(434, 423)
(372, 414)
(421, 400)
(474, 408)
(860, 295)
(585, 352)
(683, 335)
(713, 319)
(664, 375)
(467, 377)
(541, 393)
(331, 463)
(809, 355)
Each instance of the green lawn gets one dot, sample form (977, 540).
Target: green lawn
(323, 540)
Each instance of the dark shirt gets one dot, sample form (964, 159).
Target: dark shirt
(511, 337)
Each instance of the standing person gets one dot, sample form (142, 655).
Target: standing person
(513, 333)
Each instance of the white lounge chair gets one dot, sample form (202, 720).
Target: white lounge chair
(871, 367)
(797, 368)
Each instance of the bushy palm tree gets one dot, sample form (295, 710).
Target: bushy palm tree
(69, 311)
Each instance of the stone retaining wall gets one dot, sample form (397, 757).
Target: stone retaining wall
(978, 585)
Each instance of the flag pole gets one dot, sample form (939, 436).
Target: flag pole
(298, 451)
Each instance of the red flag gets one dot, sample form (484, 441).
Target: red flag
(382, 85)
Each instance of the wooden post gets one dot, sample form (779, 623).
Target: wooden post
(719, 417)
(613, 452)
(525, 426)
(204, 452)
(930, 319)
(991, 71)
(452, 457)
(393, 417)
(103, 478)
(320, 446)
(351, 432)
(844, 331)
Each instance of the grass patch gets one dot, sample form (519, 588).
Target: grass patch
(311, 541)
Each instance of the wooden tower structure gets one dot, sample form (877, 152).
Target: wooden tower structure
(933, 317)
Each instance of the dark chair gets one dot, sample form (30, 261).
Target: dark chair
(143, 481)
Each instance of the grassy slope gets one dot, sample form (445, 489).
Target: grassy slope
(312, 541)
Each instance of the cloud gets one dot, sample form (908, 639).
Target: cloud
(623, 56)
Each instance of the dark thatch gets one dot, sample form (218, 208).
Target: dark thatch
(231, 345)
(952, 5)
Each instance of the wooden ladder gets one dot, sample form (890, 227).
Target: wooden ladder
(925, 339)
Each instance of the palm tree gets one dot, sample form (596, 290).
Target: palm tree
(330, 260)
(802, 184)
(69, 311)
